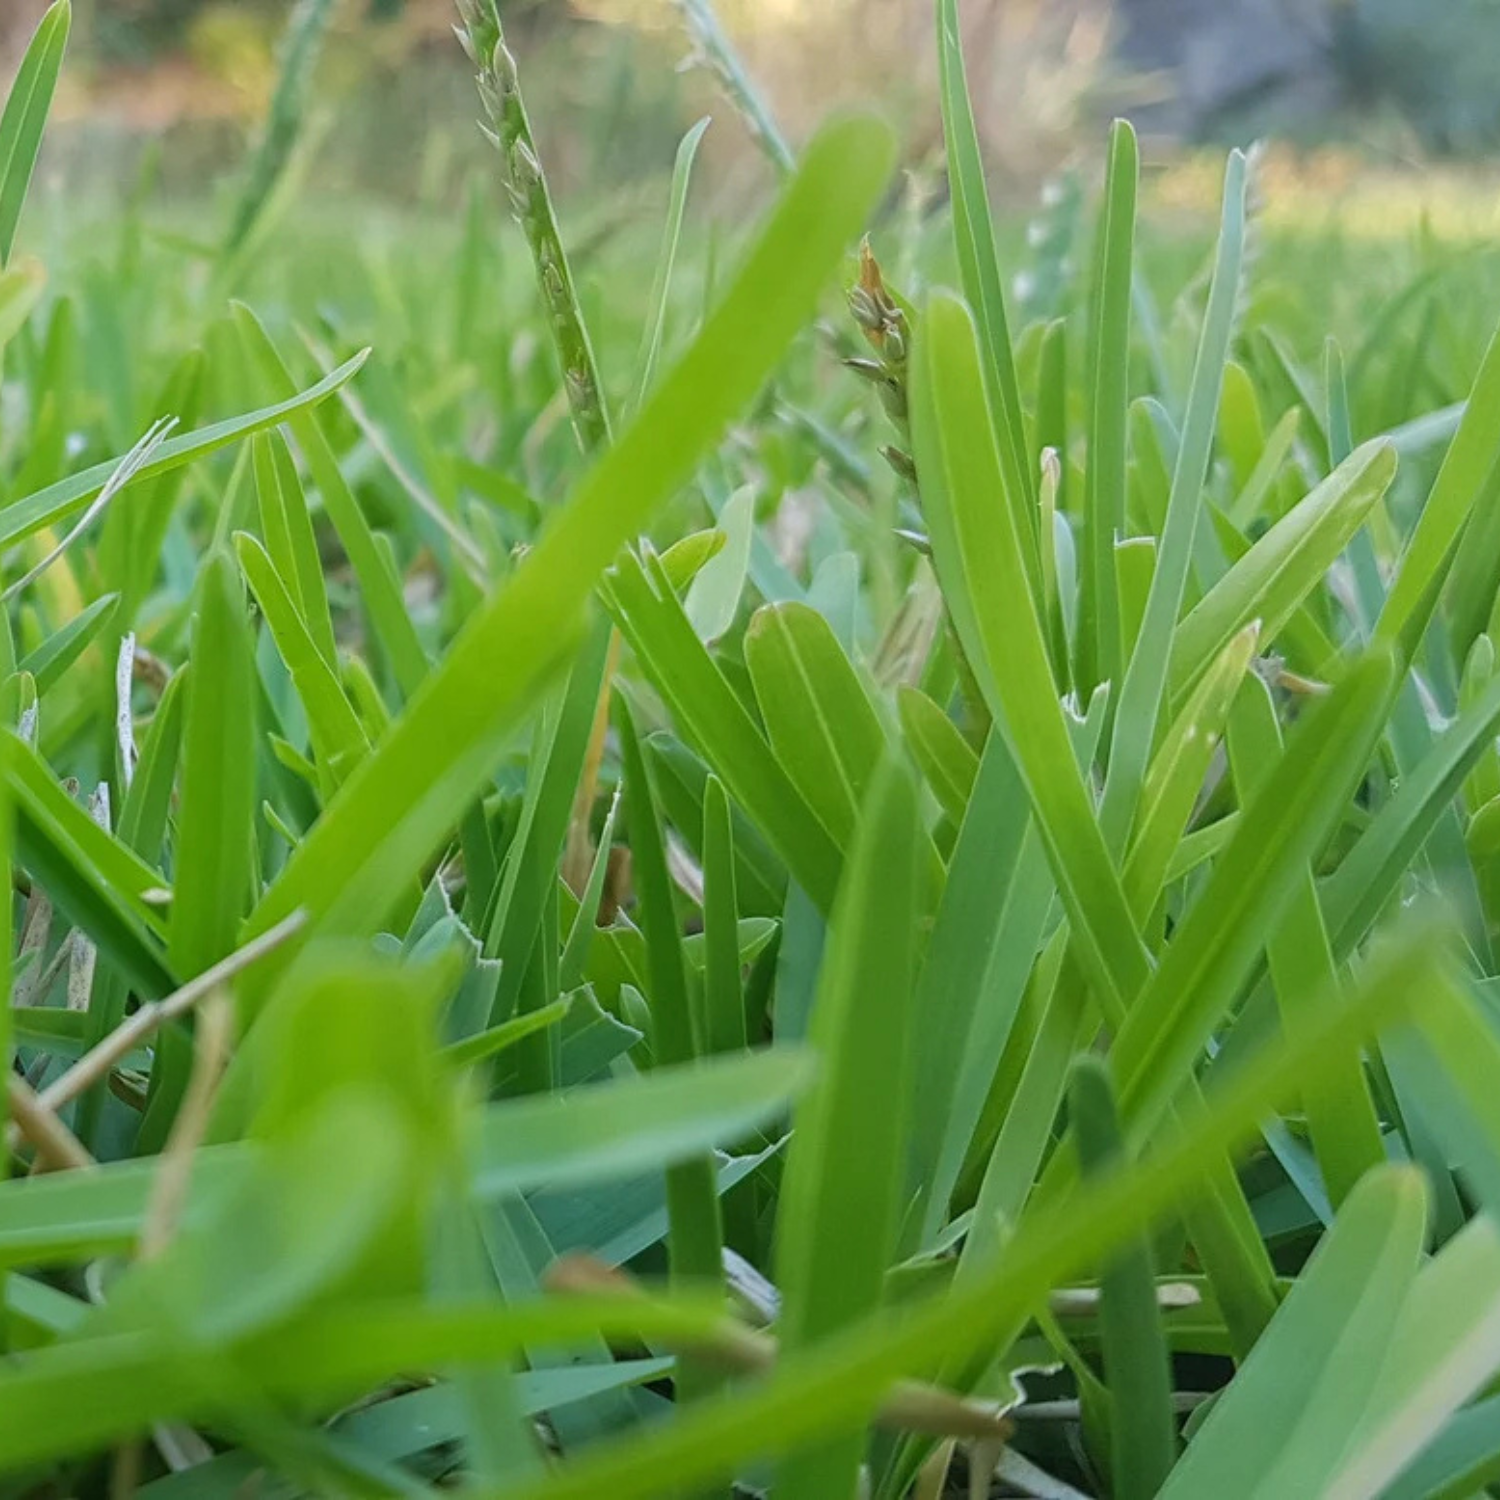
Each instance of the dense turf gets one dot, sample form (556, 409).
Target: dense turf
(732, 865)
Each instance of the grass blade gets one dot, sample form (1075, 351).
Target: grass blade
(25, 117)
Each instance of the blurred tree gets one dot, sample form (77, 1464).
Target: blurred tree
(1288, 66)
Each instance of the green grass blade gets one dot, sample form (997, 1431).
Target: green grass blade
(63, 647)
(695, 1235)
(712, 717)
(946, 759)
(25, 117)
(1215, 946)
(530, 876)
(1099, 653)
(1272, 579)
(89, 875)
(399, 806)
(1441, 1352)
(835, 1389)
(286, 528)
(379, 588)
(1432, 546)
(1140, 700)
(661, 287)
(1282, 1425)
(215, 860)
(1137, 1368)
(817, 714)
(1371, 872)
(338, 738)
(300, 48)
(978, 552)
(723, 990)
(979, 268)
(1341, 1116)
(839, 1198)
(633, 1125)
(67, 497)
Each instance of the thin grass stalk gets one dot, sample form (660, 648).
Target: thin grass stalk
(509, 129)
(714, 52)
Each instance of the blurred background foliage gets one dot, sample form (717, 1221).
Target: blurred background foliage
(1356, 93)
(1402, 75)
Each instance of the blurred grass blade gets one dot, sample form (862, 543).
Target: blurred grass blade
(63, 647)
(300, 46)
(25, 117)
(661, 287)
(634, 1125)
(1441, 1352)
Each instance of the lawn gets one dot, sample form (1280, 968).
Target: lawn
(860, 857)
